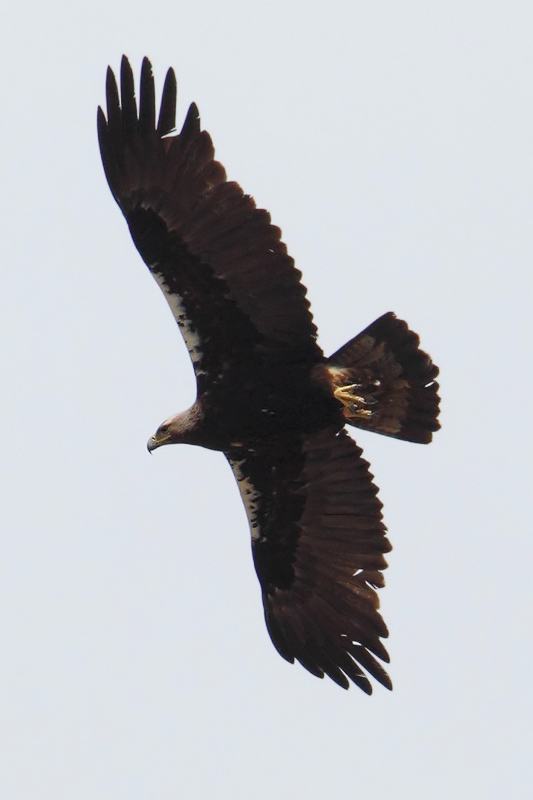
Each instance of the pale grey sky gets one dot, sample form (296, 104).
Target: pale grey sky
(393, 144)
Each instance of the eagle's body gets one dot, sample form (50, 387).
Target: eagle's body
(267, 396)
(269, 402)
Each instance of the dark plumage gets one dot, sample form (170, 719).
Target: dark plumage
(267, 396)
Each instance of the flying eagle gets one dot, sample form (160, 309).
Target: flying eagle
(267, 397)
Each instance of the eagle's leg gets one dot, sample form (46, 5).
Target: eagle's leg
(355, 400)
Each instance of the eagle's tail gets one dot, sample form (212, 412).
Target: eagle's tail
(386, 383)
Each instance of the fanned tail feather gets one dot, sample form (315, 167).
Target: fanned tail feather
(386, 383)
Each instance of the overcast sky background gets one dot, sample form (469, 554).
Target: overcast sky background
(393, 144)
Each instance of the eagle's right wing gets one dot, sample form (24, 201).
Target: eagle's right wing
(318, 542)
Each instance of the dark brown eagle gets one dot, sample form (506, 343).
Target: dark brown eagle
(267, 396)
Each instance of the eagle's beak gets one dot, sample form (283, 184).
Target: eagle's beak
(159, 438)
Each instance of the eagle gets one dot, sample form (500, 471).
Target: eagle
(267, 397)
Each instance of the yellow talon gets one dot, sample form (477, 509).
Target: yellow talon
(353, 403)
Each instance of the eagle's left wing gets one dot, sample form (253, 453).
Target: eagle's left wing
(318, 542)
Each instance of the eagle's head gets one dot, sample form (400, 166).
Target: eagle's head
(180, 428)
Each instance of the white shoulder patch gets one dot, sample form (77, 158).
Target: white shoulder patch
(189, 332)
(250, 498)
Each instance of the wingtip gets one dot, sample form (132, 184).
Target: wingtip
(171, 76)
(191, 125)
(127, 82)
(127, 95)
(147, 98)
(146, 67)
(101, 121)
(125, 63)
(167, 113)
(193, 110)
(110, 80)
(112, 97)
